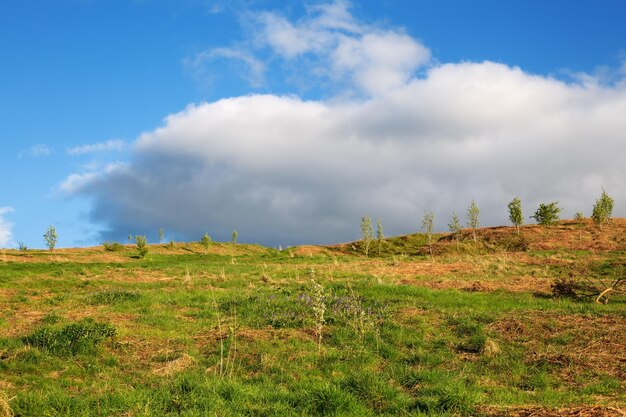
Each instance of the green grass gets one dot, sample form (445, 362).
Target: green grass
(233, 332)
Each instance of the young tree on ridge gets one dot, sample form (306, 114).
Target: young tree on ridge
(428, 224)
(472, 218)
(206, 242)
(50, 237)
(515, 213)
(454, 225)
(379, 234)
(547, 213)
(580, 222)
(603, 209)
(367, 233)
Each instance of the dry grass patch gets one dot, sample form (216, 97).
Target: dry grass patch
(7, 293)
(512, 284)
(246, 334)
(21, 322)
(308, 250)
(428, 268)
(174, 366)
(597, 411)
(67, 255)
(5, 408)
(573, 344)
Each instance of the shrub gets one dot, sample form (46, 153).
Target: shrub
(142, 245)
(206, 242)
(564, 287)
(547, 214)
(112, 246)
(21, 246)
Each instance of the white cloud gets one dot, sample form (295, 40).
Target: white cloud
(35, 151)
(379, 62)
(6, 228)
(254, 68)
(284, 170)
(318, 32)
(108, 146)
(327, 46)
(371, 59)
(75, 182)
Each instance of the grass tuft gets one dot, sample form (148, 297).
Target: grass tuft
(5, 408)
(114, 297)
(81, 337)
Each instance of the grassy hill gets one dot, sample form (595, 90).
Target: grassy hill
(506, 325)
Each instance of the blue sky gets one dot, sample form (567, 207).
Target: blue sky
(85, 84)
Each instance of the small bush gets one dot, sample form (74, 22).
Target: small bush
(112, 246)
(142, 245)
(75, 338)
(206, 242)
(564, 287)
